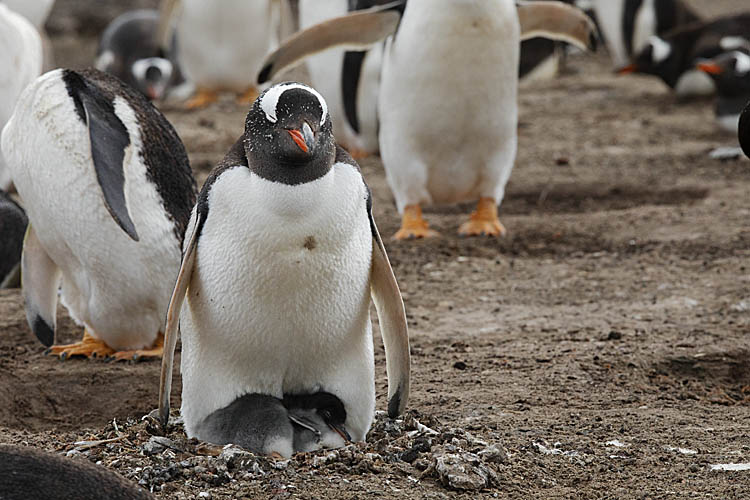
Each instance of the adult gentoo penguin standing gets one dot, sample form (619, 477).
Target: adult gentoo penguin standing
(221, 44)
(448, 94)
(20, 62)
(108, 190)
(731, 73)
(281, 260)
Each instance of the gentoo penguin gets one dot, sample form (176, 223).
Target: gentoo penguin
(281, 261)
(731, 74)
(744, 130)
(673, 56)
(448, 94)
(108, 190)
(13, 222)
(628, 25)
(221, 44)
(269, 426)
(36, 11)
(20, 62)
(29, 473)
(131, 50)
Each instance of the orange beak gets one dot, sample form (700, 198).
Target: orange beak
(299, 139)
(710, 68)
(626, 70)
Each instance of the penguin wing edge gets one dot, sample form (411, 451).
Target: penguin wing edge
(744, 130)
(358, 31)
(40, 279)
(393, 328)
(557, 21)
(173, 319)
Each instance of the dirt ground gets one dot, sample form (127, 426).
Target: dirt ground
(600, 350)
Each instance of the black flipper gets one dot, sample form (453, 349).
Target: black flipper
(744, 130)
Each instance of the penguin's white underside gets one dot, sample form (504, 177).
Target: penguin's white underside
(304, 324)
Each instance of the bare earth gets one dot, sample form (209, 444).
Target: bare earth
(600, 350)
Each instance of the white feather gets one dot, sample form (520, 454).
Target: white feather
(36, 11)
(270, 100)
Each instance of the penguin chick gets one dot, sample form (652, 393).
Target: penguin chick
(130, 49)
(28, 473)
(731, 74)
(13, 222)
(107, 188)
(319, 421)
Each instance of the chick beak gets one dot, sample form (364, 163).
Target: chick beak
(303, 138)
(341, 431)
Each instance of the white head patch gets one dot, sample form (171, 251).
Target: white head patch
(270, 100)
(743, 63)
(660, 49)
(734, 42)
(141, 66)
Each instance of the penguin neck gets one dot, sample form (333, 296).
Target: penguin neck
(287, 170)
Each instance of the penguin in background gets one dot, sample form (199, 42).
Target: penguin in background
(29, 473)
(131, 50)
(731, 74)
(21, 61)
(673, 56)
(13, 222)
(107, 188)
(743, 130)
(36, 11)
(628, 25)
(448, 94)
(282, 260)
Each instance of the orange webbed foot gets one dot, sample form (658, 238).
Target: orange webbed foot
(483, 221)
(413, 226)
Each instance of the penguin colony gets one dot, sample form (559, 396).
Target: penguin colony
(268, 272)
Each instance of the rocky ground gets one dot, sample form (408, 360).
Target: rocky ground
(600, 350)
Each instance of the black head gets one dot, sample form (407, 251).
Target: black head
(731, 73)
(288, 135)
(660, 58)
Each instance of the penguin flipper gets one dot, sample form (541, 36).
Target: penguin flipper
(109, 138)
(357, 31)
(557, 21)
(173, 319)
(392, 316)
(40, 279)
(744, 130)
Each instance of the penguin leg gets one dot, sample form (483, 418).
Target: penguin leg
(413, 226)
(40, 279)
(89, 347)
(248, 96)
(483, 221)
(155, 351)
(202, 98)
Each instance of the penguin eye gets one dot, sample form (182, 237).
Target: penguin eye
(326, 415)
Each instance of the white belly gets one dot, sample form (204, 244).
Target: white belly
(266, 313)
(222, 43)
(610, 13)
(448, 102)
(116, 287)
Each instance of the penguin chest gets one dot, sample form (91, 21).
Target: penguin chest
(281, 284)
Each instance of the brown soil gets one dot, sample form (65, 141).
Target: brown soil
(616, 309)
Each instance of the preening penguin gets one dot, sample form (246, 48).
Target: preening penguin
(281, 261)
(20, 62)
(108, 191)
(448, 94)
(221, 44)
(131, 50)
(13, 222)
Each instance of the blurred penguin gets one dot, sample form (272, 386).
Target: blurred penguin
(731, 74)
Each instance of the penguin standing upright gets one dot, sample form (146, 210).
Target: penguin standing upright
(448, 94)
(221, 44)
(20, 62)
(731, 74)
(13, 222)
(108, 190)
(628, 25)
(131, 50)
(282, 260)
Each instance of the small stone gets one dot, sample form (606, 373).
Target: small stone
(494, 454)
(614, 335)
(459, 365)
(204, 494)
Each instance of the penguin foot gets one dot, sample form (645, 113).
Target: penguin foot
(138, 354)
(484, 221)
(248, 97)
(88, 347)
(201, 99)
(413, 226)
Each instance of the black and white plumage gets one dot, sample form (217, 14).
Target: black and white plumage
(28, 473)
(131, 50)
(267, 425)
(743, 130)
(673, 56)
(731, 74)
(107, 187)
(21, 59)
(281, 262)
(13, 222)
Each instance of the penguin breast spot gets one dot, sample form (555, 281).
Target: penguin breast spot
(310, 243)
